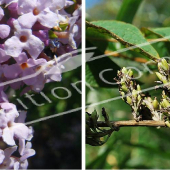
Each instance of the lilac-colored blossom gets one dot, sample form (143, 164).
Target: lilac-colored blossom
(3, 56)
(36, 10)
(4, 29)
(23, 37)
(11, 128)
(8, 161)
(53, 72)
(23, 40)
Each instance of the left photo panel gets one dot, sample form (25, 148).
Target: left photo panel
(40, 84)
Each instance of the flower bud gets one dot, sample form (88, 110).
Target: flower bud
(124, 70)
(129, 100)
(165, 81)
(130, 73)
(134, 94)
(149, 99)
(122, 81)
(165, 65)
(138, 88)
(165, 103)
(124, 88)
(160, 66)
(164, 95)
(122, 93)
(159, 76)
(155, 103)
(162, 78)
(139, 98)
(167, 123)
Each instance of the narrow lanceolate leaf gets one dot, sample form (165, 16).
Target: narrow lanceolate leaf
(128, 10)
(160, 32)
(126, 34)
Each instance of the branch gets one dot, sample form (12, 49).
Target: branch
(150, 123)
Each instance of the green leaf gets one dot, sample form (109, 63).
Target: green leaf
(94, 68)
(160, 32)
(128, 10)
(126, 34)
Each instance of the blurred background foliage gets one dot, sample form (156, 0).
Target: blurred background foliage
(132, 147)
(150, 13)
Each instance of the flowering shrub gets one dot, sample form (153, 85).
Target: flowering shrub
(27, 30)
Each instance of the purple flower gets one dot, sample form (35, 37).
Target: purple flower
(3, 56)
(23, 36)
(53, 71)
(36, 10)
(2, 156)
(57, 4)
(23, 68)
(9, 111)
(23, 40)
(4, 29)
(8, 162)
(16, 130)
(25, 150)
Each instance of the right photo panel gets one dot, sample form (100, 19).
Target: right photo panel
(127, 84)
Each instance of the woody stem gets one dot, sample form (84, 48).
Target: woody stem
(150, 123)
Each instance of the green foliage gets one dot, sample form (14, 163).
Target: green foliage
(128, 10)
(126, 34)
(136, 147)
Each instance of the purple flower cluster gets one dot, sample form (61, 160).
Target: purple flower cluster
(27, 30)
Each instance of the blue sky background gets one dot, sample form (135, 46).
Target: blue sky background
(91, 3)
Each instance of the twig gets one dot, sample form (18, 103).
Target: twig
(150, 123)
(114, 54)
